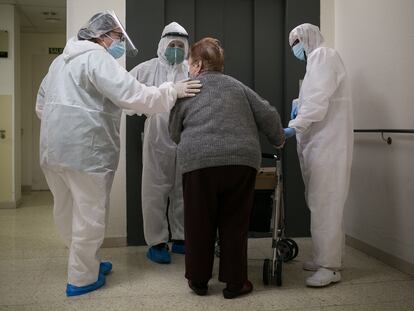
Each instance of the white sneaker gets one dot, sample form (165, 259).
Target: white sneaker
(323, 277)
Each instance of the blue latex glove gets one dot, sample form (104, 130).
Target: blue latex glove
(289, 132)
(295, 109)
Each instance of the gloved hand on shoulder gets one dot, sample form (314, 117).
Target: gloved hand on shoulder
(187, 88)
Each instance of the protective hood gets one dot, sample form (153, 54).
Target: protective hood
(309, 35)
(76, 47)
(171, 32)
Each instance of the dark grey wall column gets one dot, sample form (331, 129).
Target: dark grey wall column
(297, 214)
(145, 22)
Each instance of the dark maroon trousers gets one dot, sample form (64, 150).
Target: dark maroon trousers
(217, 198)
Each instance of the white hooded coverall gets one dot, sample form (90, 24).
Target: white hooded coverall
(324, 127)
(161, 177)
(80, 103)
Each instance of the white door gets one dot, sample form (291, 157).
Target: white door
(41, 65)
(6, 148)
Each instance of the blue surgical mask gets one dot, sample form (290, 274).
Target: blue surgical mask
(116, 49)
(299, 51)
(174, 55)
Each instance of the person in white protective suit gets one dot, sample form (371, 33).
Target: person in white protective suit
(161, 177)
(323, 123)
(79, 103)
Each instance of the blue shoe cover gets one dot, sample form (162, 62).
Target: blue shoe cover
(72, 290)
(178, 248)
(159, 255)
(105, 267)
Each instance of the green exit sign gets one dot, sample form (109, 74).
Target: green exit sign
(55, 50)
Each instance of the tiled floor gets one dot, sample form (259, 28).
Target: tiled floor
(33, 276)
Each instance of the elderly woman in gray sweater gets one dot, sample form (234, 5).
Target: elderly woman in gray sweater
(219, 154)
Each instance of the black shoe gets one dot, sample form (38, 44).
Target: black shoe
(230, 293)
(199, 289)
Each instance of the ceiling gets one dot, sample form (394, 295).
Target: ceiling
(41, 16)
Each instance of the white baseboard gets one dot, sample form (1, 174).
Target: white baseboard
(391, 260)
(8, 204)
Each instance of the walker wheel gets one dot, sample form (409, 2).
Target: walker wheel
(294, 247)
(267, 272)
(284, 249)
(279, 264)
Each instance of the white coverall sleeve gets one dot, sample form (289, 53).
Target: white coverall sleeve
(135, 73)
(40, 99)
(317, 88)
(130, 112)
(114, 82)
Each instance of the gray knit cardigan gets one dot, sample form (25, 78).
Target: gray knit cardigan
(220, 125)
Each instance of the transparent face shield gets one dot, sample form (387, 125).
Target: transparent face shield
(130, 48)
(103, 23)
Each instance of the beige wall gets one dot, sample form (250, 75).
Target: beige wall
(9, 90)
(7, 64)
(32, 44)
(376, 41)
(78, 12)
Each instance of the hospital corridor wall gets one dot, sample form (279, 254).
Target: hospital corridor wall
(379, 212)
(254, 35)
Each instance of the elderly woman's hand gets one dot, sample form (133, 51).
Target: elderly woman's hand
(289, 132)
(280, 146)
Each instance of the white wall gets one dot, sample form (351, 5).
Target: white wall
(78, 13)
(328, 22)
(376, 41)
(32, 44)
(10, 85)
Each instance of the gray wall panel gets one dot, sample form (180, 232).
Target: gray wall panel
(296, 13)
(254, 35)
(182, 12)
(238, 40)
(144, 23)
(209, 19)
(268, 58)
